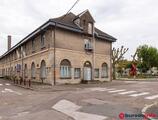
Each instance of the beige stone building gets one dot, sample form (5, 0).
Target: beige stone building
(67, 49)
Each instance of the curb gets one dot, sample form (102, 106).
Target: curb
(146, 108)
(136, 80)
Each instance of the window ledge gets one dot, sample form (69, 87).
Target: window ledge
(43, 47)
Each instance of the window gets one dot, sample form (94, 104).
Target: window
(65, 69)
(96, 73)
(104, 70)
(77, 73)
(43, 70)
(88, 44)
(33, 45)
(24, 50)
(33, 70)
(90, 28)
(43, 40)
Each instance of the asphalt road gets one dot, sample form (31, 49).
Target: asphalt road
(84, 102)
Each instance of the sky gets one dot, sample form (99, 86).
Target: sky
(132, 22)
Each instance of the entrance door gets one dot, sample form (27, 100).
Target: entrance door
(87, 75)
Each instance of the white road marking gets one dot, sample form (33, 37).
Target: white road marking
(23, 113)
(1, 84)
(10, 90)
(152, 97)
(128, 92)
(100, 89)
(139, 94)
(7, 84)
(0, 117)
(97, 89)
(70, 109)
(129, 81)
(114, 91)
(3, 91)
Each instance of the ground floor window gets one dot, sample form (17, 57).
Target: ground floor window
(77, 73)
(96, 73)
(104, 70)
(65, 69)
(65, 72)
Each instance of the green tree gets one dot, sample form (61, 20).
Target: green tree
(147, 57)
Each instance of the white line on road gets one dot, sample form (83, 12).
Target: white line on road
(152, 97)
(97, 89)
(7, 84)
(12, 91)
(70, 109)
(139, 94)
(114, 91)
(128, 92)
(1, 84)
(100, 89)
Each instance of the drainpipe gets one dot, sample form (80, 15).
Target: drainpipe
(54, 54)
(93, 69)
(22, 60)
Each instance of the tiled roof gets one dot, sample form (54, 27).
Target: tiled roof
(69, 20)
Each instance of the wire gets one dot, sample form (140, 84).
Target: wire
(71, 8)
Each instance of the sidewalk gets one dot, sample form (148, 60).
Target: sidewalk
(151, 111)
(138, 79)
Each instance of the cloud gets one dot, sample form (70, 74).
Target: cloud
(132, 22)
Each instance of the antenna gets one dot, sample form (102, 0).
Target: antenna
(70, 9)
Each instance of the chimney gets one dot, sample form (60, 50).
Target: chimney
(9, 42)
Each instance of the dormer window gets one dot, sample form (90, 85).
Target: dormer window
(84, 22)
(90, 28)
(88, 45)
(77, 22)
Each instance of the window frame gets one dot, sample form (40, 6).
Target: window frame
(43, 38)
(96, 70)
(104, 69)
(77, 72)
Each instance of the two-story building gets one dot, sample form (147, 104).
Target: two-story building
(67, 49)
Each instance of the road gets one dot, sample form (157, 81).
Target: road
(83, 102)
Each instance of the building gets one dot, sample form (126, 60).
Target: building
(67, 49)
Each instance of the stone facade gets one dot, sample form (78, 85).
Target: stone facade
(49, 47)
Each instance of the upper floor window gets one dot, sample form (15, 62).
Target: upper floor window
(88, 44)
(33, 45)
(43, 37)
(90, 28)
(24, 50)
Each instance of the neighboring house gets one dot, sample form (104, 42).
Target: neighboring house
(67, 49)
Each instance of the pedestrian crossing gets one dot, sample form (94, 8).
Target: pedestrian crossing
(130, 93)
(5, 84)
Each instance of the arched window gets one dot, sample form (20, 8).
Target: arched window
(65, 69)
(104, 73)
(25, 71)
(43, 70)
(33, 70)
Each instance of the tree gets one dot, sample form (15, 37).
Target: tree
(117, 55)
(122, 65)
(148, 57)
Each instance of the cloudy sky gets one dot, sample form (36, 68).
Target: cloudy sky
(132, 22)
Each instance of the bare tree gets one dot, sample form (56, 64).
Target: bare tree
(117, 55)
(135, 57)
